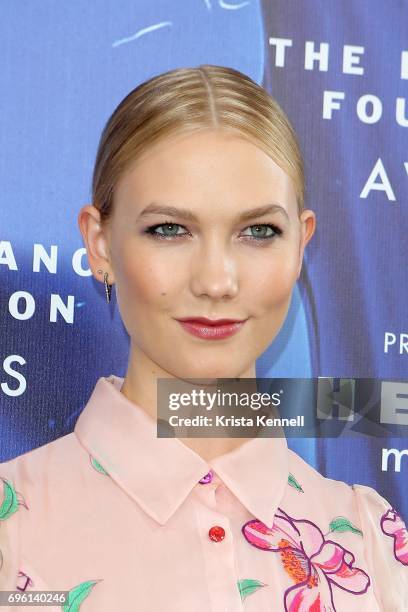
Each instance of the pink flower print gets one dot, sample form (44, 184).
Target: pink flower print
(315, 564)
(393, 525)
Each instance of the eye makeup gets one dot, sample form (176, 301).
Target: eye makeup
(152, 231)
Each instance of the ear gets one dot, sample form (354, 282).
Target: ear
(96, 241)
(307, 228)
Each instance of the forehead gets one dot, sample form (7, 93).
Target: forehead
(205, 168)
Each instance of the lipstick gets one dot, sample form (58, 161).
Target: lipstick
(211, 329)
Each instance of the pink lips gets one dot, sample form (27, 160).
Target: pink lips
(211, 329)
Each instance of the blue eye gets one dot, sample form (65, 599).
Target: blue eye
(168, 226)
(260, 231)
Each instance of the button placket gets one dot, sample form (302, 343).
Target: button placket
(220, 562)
(217, 546)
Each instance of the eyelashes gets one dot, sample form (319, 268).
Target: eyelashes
(152, 231)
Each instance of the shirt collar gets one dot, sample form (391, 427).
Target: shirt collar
(159, 473)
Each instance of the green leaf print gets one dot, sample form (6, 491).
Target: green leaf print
(294, 483)
(341, 523)
(247, 586)
(10, 500)
(77, 595)
(98, 466)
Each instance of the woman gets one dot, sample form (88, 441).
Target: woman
(197, 213)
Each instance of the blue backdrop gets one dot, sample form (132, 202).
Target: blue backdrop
(340, 73)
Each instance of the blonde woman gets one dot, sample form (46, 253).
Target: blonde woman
(198, 220)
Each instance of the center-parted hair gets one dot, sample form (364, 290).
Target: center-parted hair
(193, 99)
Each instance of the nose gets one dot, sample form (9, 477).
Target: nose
(214, 273)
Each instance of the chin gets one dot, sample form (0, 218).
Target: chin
(213, 371)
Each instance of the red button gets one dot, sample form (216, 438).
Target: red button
(216, 533)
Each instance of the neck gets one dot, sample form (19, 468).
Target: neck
(140, 387)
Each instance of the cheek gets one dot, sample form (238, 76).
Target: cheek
(270, 281)
(144, 280)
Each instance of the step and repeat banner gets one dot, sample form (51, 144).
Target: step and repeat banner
(341, 74)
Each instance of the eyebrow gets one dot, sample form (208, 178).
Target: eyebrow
(172, 211)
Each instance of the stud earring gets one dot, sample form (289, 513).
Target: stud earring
(108, 288)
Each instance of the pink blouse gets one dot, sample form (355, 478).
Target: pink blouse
(127, 521)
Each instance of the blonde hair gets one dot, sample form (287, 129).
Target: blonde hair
(189, 99)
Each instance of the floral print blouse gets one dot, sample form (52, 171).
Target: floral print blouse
(123, 520)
